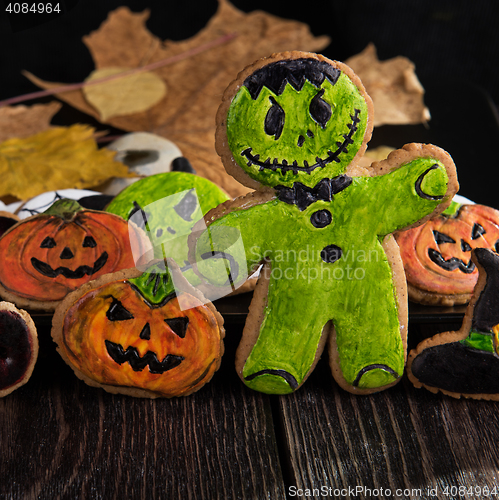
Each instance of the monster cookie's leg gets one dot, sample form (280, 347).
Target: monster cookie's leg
(283, 337)
(367, 352)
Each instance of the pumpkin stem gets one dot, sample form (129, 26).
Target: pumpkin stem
(155, 284)
(64, 208)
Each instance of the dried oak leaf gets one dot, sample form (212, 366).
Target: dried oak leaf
(57, 158)
(23, 121)
(393, 86)
(186, 115)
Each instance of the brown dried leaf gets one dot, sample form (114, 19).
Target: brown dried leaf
(23, 121)
(57, 158)
(195, 84)
(393, 86)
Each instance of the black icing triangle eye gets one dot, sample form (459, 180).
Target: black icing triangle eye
(178, 325)
(477, 231)
(89, 242)
(48, 242)
(442, 238)
(118, 312)
(187, 206)
(320, 110)
(274, 120)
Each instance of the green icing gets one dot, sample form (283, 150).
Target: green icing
(64, 208)
(452, 209)
(479, 340)
(155, 284)
(173, 202)
(355, 292)
(325, 255)
(245, 129)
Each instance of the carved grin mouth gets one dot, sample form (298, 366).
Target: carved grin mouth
(285, 166)
(137, 362)
(452, 263)
(79, 272)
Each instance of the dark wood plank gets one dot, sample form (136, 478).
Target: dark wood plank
(63, 439)
(399, 439)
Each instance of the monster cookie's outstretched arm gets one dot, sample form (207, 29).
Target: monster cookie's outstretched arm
(417, 182)
(225, 248)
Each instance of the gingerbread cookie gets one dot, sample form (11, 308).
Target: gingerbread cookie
(168, 205)
(145, 334)
(437, 254)
(144, 154)
(48, 255)
(18, 347)
(293, 127)
(465, 362)
(7, 220)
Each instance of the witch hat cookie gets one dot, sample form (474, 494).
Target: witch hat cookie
(465, 362)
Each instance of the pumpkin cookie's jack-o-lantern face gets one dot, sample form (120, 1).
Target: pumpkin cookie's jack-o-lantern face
(437, 255)
(290, 122)
(140, 334)
(48, 255)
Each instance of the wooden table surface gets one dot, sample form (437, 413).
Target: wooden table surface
(63, 439)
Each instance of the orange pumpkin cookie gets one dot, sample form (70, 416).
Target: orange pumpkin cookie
(437, 255)
(145, 334)
(18, 347)
(51, 254)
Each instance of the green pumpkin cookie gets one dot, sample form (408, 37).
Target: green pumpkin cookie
(293, 127)
(168, 205)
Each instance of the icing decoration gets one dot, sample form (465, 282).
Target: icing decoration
(48, 255)
(139, 332)
(170, 204)
(144, 154)
(18, 347)
(437, 254)
(44, 201)
(465, 362)
(298, 122)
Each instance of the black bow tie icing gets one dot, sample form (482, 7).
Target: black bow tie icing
(302, 196)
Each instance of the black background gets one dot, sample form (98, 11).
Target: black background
(452, 42)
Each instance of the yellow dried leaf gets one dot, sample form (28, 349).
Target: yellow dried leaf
(132, 93)
(58, 158)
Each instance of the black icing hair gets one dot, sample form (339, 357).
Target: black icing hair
(275, 75)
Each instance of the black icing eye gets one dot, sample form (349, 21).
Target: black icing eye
(89, 242)
(320, 110)
(118, 312)
(187, 206)
(274, 120)
(477, 231)
(178, 325)
(48, 242)
(442, 238)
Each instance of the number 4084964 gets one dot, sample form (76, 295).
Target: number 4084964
(32, 8)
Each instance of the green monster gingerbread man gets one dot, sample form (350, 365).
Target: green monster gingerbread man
(293, 127)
